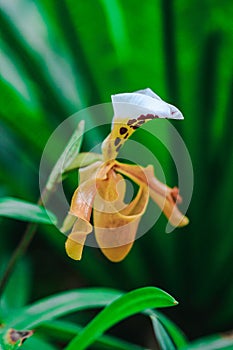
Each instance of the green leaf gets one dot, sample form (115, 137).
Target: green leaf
(59, 305)
(21, 210)
(83, 159)
(21, 277)
(162, 336)
(173, 330)
(64, 303)
(65, 331)
(125, 306)
(35, 342)
(11, 346)
(214, 342)
(67, 157)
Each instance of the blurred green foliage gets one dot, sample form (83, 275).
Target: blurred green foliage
(58, 57)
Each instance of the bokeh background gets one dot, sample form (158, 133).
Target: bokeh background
(58, 57)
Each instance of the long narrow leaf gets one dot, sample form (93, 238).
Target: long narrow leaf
(65, 331)
(174, 331)
(68, 156)
(60, 305)
(215, 342)
(22, 210)
(125, 306)
(37, 343)
(161, 335)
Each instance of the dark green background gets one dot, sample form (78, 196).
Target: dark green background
(58, 57)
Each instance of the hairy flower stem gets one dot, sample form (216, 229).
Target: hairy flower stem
(22, 246)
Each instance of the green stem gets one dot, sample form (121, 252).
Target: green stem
(18, 253)
(22, 246)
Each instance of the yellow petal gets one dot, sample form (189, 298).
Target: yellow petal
(81, 208)
(135, 172)
(165, 197)
(131, 110)
(76, 240)
(115, 230)
(169, 208)
(83, 198)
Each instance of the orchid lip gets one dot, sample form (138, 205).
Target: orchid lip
(116, 223)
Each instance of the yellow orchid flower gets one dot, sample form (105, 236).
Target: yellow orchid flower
(102, 184)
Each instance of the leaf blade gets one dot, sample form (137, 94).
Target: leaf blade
(125, 306)
(21, 210)
(162, 336)
(173, 330)
(67, 157)
(65, 331)
(59, 305)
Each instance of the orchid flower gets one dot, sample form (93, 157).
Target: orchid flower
(102, 184)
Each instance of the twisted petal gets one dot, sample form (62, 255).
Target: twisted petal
(76, 240)
(82, 200)
(81, 208)
(131, 110)
(115, 229)
(165, 197)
